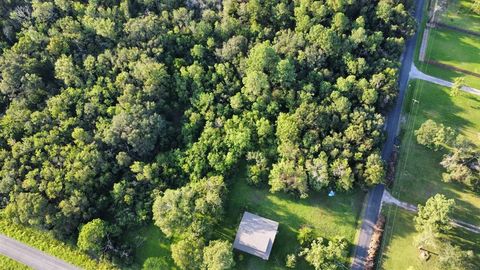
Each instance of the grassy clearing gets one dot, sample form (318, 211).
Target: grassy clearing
(459, 13)
(329, 217)
(151, 242)
(455, 49)
(9, 264)
(47, 243)
(419, 173)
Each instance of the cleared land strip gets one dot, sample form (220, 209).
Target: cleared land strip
(451, 27)
(389, 199)
(31, 257)
(423, 47)
(417, 74)
(450, 67)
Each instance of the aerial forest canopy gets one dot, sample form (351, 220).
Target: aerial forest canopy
(109, 105)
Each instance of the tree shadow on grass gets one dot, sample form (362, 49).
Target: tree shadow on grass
(422, 179)
(467, 241)
(329, 217)
(149, 241)
(454, 48)
(419, 173)
(474, 98)
(436, 104)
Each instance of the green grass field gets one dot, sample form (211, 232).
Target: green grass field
(151, 242)
(419, 172)
(455, 49)
(46, 242)
(329, 217)
(459, 13)
(449, 48)
(418, 166)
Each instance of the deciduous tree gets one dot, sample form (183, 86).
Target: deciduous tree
(326, 254)
(435, 215)
(218, 255)
(93, 237)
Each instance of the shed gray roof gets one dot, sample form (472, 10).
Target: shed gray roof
(255, 235)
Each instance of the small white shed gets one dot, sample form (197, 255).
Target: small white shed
(256, 235)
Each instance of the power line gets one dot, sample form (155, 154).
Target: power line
(397, 193)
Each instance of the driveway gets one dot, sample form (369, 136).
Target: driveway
(415, 73)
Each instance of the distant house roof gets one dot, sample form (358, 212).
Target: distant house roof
(255, 235)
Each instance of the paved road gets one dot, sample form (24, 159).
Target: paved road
(393, 118)
(29, 256)
(417, 74)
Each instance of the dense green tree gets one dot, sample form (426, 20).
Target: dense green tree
(93, 237)
(318, 173)
(449, 256)
(435, 215)
(154, 263)
(433, 135)
(189, 208)
(258, 167)
(326, 254)
(342, 173)
(288, 176)
(291, 261)
(218, 255)
(374, 169)
(462, 167)
(108, 106)
(188, 252)
(462, 164)
(476, 6)
(305, 235)
(31, 209)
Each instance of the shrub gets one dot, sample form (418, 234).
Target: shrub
(305, 235)
(291, 261)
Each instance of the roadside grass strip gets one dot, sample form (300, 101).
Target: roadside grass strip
(47, 243)
(8, 264)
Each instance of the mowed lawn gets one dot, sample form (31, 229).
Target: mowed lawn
(329, 217)
(454, 48)
(149, 241)
(399, 250)
(419, 172)
(459, 13)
